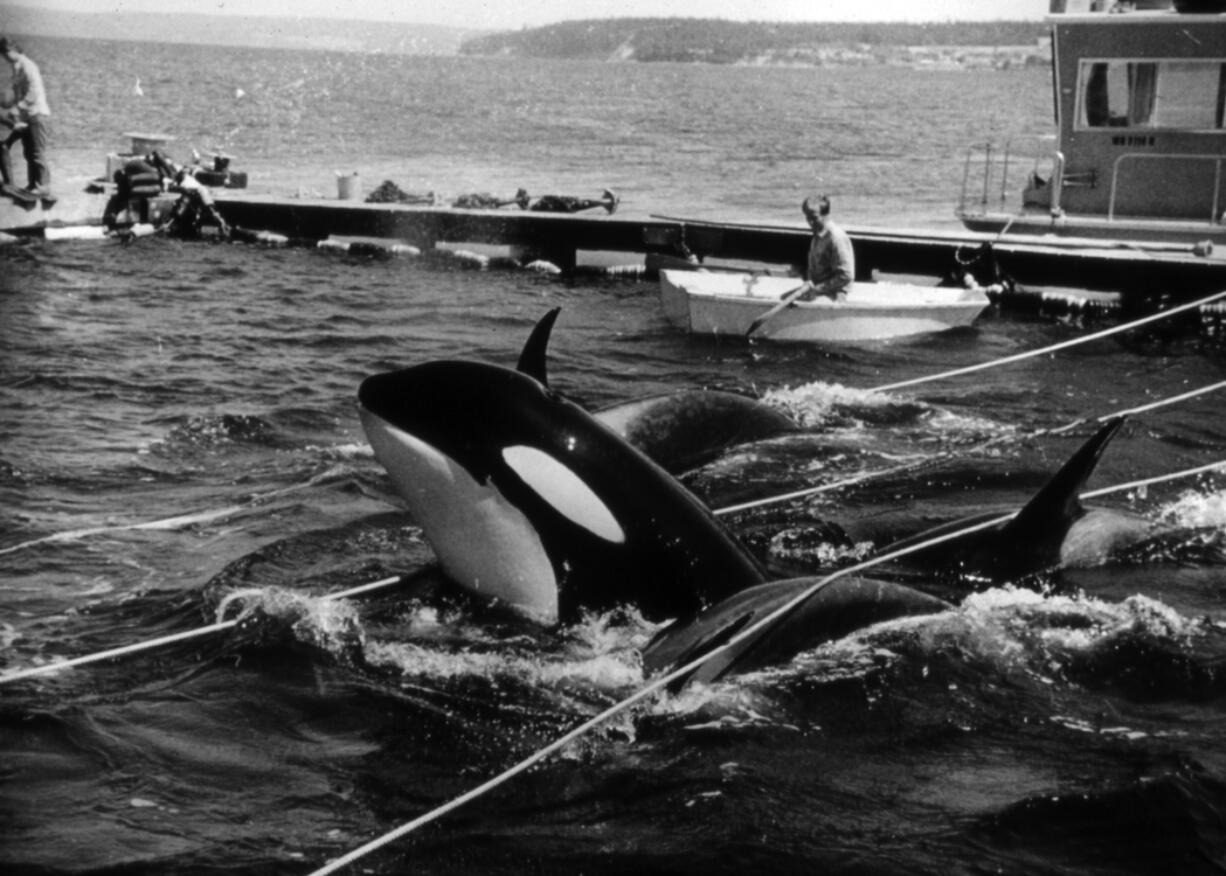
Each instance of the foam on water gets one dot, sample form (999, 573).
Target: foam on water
(821, 405)
(815, 405)
(1195, 508)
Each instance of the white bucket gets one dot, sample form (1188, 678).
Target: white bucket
(349, 186)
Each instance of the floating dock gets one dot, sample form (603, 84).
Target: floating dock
(1098, 273)
(1148, 270)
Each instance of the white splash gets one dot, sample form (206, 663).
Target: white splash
(813, 404)
(1196, 509)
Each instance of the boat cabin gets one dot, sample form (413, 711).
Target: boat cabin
(1140, 101)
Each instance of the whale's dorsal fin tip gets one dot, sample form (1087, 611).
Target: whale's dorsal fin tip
(1059, 502)
(532, 357)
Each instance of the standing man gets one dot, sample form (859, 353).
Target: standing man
(30, 102)
(832, 263)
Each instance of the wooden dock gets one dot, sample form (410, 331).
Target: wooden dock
(1149, 270)
(1146, 274)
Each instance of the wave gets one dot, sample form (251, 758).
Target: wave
(217, 431)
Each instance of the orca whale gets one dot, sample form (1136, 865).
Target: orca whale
(1052, 531)
(840, 607)
(530, 501)
(686, 429)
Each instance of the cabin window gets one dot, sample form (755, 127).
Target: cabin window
(1174, 95)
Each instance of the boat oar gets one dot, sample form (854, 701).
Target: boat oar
(788, 298)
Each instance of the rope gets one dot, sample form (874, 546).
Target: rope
(679, 673)
(221, 625)
(1072, 342)
(148, 645)
(176, 522)
(928, 460)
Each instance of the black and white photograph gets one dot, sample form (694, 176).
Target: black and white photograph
(601, 437)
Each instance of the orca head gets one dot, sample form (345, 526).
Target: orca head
(528, 500)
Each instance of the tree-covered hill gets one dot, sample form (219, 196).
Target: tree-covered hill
(727, 42)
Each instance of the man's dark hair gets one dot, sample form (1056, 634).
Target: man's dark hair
(819, 204)
(7, 45)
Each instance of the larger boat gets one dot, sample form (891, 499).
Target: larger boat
(1140, 143)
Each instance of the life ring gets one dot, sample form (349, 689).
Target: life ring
(210, 177)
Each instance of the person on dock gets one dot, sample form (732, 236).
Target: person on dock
(29, 99)
(570, 204)
(135, 183)
(832, 262)
(194, 208)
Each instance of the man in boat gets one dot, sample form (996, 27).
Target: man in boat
(29, 100)
(832, 262)
(569, 204)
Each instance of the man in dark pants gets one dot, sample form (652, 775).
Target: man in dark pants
(30, 102)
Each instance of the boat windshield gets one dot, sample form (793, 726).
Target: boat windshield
(1187, 95)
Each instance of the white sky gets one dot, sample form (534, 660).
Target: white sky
(509, 14)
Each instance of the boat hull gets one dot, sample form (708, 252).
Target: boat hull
(728, 303)
(1140, 230)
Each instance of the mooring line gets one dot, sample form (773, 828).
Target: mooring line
(1042, 351)
(962, 451)
(677, 674)
(175, 522)
(149, 644)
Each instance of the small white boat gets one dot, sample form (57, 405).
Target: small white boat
(728, 303)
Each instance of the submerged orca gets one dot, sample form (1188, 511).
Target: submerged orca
(838, 608)
(529, 500)
(682, 430)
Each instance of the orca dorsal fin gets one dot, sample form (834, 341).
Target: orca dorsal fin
(1058, 503)
(532, 357)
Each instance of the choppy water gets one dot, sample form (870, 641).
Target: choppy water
(1082, 731)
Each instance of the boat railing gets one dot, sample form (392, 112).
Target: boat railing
(1214, 172)
(986, 180)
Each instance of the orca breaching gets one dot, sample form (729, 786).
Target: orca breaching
(533, 503)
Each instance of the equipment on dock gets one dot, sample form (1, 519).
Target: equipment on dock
(388, 192)
(211, 170)
(731, 303)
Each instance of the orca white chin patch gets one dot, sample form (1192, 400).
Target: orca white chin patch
(558, 485)
(483, 542)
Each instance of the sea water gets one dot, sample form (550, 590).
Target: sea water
(178, 424)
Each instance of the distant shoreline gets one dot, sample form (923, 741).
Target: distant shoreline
(946, 45)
